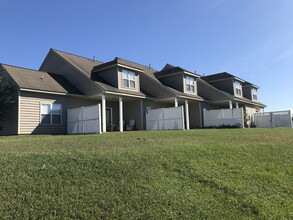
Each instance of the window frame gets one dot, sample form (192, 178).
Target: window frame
(254, 94)
(238, 88)
(129, 79)
(190, 84)
(51, 113)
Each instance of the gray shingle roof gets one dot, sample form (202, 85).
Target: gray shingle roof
(217, 76)
(87, 65)
(38, 80)
(223, 75)
(84, 64)
(168, 68)
(220, 95)
(118, 60)
(250, 84)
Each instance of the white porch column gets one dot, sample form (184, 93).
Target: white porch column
(187, 115)
(100, 122)
(120, 114)
(104, 113)
(176, 102)
(237, 105)
(230, 105)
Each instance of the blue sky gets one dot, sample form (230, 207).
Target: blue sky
(252, 39)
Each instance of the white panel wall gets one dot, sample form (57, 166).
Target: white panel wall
(84, 120)
(216, 118)
(165, 119)
(273, 119)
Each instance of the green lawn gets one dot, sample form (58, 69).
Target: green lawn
(196, 174)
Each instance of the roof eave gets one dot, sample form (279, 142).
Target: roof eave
(50, 92)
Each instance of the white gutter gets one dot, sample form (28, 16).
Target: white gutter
(53, 93)
(124, 94)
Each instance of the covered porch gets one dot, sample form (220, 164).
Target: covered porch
(120, 112)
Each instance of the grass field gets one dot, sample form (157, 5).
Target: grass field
(196, 174)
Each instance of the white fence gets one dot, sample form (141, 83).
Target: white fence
(84, 120)
(223, 117)
(165, 119)
(273, 119)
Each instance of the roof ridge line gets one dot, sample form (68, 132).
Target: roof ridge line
(76, 55)
(135, 63)
(24, 68)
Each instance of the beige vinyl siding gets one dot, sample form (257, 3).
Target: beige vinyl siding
(54, 63)
(110, 75)
(30, 103)
(120, 81)
(174, 81)
(10, 123)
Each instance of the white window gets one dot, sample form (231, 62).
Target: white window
(189, 84)
(128, 79)
(51, 114)
(238, 88)
(254, 94)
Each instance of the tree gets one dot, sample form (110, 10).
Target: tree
(6, 99)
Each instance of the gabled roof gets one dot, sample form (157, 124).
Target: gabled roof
(220, 76)
(146, 74)
(107, 87)
(225, 75)
(40, 81)
(170, 69)
(118, 61)
(84, 64)
(251, 85)
(213, 94)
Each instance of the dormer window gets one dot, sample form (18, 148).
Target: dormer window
(254, 94)
(189, 84)
(128, 78)
(238, 88)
